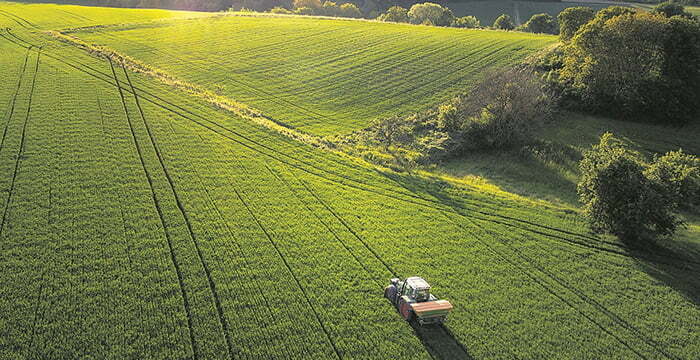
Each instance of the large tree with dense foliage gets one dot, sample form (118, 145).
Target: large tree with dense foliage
(541, 24)
(504, 22)
(571, 19)
(636, 65)
(670, 8)
(618, 198)
(430, 13)
(395, 14)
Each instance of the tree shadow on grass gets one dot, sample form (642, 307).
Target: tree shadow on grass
(674, 262)
(439, 342)
(542, 170)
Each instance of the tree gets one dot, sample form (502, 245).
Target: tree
(395, 14)
(541, 23)
(571, 19)
(430, 13)
(312, 4)
(618, 198)
(669, 9)
(469, 22)
(350, 10)
(504, 22)
(330, 8)
(678, 174)
(636, 66)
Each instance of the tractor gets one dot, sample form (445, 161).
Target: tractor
(414, 301)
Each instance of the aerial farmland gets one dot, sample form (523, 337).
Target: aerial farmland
(189, 185)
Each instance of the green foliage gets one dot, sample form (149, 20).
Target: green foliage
(637, 66)
(288, 245)
(349, 10)
(618, 198)
(572, 19)
(280, 10)
(541, 24)
(310, 4)
(430, 14)
(678, 174)
(395, 14)
(330, 8)
(504, 22)
(469, 22)
(305, 10)
(670, 8)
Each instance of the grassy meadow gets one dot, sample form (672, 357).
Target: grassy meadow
(139, 221)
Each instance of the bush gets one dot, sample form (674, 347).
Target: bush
(330, 8)
(504, 22)
(311, 4)
(503, 110)
(669, 9)
(618, 198)
(541, 24)
(469, 22)
(395, 14)
(571, 19)
(678, 174)
(636, 66)
(349, 10)
(280, 10)
(430, 14)
(306, 11)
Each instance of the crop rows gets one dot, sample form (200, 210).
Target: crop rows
(144, 223)
(327, 77)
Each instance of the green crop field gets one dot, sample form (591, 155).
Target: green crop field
(138, 221)
(322, 77)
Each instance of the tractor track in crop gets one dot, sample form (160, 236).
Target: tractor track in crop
(212, 286)
(550, 289)
(588, 241)
(422, 333)
(289, 269)
(17, 19)
(18, 160)
(330, 230)
(602, 308)
(133, 272)
(159, 210)
(14, 99)
(230, 231)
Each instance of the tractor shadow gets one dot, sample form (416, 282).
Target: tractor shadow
(439, 342)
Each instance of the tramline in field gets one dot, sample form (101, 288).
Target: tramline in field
(142, 222)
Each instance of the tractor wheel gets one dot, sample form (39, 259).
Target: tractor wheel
(390, 292)
(405, 310)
